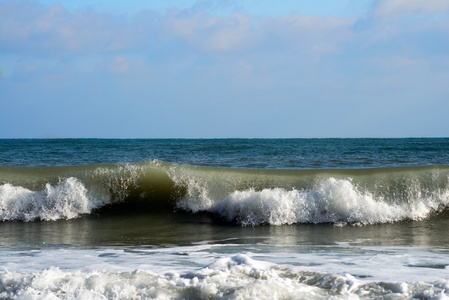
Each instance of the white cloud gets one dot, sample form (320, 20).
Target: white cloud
(28, 27)
(193, 59)
(289, 50)
(238, 32)
(389, 8)
(120, 65)
(210, 33)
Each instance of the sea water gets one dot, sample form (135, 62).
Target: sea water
(224, 218)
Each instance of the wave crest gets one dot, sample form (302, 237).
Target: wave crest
(249, 197)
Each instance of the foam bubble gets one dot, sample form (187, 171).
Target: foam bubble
(66, 200)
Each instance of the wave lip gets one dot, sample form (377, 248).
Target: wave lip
(245, 196)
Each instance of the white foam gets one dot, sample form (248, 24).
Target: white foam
(66, 200)
(228, 277)
(237, 277)
(332, 201)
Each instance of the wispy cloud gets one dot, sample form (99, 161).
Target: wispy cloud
(191, 59)
(394, 8)
(29, 27)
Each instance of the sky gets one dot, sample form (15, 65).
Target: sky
(224, 69)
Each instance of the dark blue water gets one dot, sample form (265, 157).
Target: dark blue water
(233, 153)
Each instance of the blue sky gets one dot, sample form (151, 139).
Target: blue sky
(260, 8)
(204, 69)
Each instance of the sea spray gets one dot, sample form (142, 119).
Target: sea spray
(333, 201)
(66, 200)
(277, 197)
(247, 196)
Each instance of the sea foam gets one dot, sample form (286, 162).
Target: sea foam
(66, 200)
(332, 201)
(232, 277)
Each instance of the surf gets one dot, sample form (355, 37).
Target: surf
(241, 196)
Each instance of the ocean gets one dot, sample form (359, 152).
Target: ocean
(224, 218)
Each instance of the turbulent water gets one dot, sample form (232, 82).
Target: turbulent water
(224, 218)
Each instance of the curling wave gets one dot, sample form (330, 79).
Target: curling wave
(333, 201)
(244, 196)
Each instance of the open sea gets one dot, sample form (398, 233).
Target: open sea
(224, 218)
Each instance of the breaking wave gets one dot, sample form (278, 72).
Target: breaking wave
(244, 196)
(333, 201)
(66, 200)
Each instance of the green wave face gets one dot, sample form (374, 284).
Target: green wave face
(245, 196)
